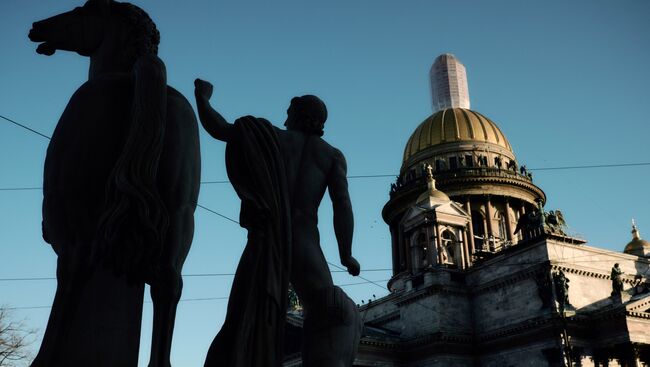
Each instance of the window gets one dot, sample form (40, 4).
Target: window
(469, 162)
(503, 232)
(479, 229)
(453, 163)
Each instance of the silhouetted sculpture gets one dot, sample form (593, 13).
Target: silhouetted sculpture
(617, 281)
(120, 187)
(555, 222)
(561, 289)
(281, 177)
(530, 224)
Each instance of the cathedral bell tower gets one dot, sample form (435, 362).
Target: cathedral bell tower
(433, 234)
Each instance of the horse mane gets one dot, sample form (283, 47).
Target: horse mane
(135, 220)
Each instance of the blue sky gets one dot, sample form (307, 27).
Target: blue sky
(567, 82)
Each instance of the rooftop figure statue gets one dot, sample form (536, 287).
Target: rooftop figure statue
(617, 281)
(281, 177)
(120, 187)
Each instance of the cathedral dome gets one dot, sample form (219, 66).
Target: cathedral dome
(454, 125)
(638, 246)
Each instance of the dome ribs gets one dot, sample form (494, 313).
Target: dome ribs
(468, 123)
(425, 140)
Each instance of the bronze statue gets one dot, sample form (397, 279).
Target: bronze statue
(561, 289)
(121, 184)
(281, 177)
(617, 281)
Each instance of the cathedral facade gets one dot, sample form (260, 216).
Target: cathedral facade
(483, 274)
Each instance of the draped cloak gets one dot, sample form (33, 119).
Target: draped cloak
(253, 332)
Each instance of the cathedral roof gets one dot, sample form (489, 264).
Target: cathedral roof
(454, 125)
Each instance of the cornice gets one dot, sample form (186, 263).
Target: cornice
(509, 279)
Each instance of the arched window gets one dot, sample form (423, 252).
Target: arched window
(424, 248)
(503, 231)
(419, 258)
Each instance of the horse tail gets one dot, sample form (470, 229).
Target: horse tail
(134, 224)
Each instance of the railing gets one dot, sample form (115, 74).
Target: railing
(408, 181)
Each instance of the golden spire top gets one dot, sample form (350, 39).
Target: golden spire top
(635, 231)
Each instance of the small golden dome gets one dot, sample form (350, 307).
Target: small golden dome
(432, 193)
(638, 246)
(454, 125)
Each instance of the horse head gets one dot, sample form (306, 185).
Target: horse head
(111, 33)
(80, 30)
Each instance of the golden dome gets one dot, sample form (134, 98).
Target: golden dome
(454, 125)
(638, 246)
(433, 194)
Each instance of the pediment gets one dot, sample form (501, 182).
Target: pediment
(449, 212)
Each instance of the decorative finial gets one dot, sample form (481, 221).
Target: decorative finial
(431, 183)
(635, 231)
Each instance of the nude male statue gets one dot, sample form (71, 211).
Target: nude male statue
(310, 166)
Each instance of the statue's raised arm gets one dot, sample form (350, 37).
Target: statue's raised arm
(211, 120)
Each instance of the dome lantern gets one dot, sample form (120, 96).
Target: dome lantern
(638, 246)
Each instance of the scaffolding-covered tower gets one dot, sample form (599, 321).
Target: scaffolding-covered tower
(448, 83)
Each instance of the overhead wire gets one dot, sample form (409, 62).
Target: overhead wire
(27, 128)
(193, 275)
(187, 299)
(633, 164)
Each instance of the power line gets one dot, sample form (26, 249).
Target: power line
(219, 214)
(20, 188)
(198, 275)
(349, 177)
(591, 166)
(191, 299)
(637, 164)
(367, 280)
(182, 300)
(25, 127)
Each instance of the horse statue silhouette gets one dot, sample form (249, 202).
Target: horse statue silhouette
(121, 183)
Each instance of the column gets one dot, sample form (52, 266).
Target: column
(397, 250)
(432, 241)
(468, 261)
(508, 221)
(488, 221)
(470, 243)
(438, 244)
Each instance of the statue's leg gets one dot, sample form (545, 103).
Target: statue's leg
(166, 289)
(72, 273)
(165, 298)
(332, 325)
(332, 330)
